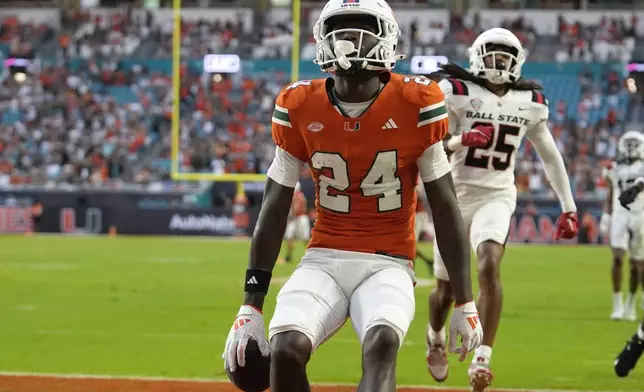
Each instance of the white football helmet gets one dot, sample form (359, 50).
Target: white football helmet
(631, 145)
(332, 52)
(479, 51)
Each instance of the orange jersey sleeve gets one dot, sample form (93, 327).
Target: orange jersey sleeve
(433, 120)
(285, 130)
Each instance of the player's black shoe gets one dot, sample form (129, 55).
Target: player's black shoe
(627, 359)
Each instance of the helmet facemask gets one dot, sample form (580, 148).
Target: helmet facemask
(632, 148)
(497, 63)
(350, 43)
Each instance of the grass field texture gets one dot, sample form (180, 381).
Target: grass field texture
(162, 307)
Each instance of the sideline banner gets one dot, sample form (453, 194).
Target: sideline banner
(140, 213)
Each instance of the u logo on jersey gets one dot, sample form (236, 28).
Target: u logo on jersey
(352, 126)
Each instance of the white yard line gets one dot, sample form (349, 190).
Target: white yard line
(77, 334)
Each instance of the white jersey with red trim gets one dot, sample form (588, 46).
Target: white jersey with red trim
(512, 116)
(622, 175)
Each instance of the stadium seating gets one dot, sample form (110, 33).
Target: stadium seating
(225, 121)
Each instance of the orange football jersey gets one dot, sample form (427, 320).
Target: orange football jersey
(364, 168)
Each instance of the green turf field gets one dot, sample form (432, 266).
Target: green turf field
(163, 307)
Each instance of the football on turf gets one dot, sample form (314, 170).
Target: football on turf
(255, 375)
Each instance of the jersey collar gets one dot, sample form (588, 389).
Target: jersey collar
(329, 83)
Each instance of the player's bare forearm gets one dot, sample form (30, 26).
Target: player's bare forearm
(269, 230)
(553, 164)
(451, 236)
(608, 203)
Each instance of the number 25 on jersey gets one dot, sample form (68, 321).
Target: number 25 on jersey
(380, 181)
(480, 157)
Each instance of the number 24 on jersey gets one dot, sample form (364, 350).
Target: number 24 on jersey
(380, 181)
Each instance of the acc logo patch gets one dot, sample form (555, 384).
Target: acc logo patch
(315, 126)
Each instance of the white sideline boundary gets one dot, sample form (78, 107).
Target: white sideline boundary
(74, 376)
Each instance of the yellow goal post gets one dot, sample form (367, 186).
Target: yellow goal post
(239, 178)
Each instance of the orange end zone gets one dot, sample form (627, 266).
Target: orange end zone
(39, 382)
(36, 383)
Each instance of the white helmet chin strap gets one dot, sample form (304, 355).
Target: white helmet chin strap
(342, 49)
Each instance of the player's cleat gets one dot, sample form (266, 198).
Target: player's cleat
(630, 314)
(618, 313)
(437, 361)
(627, 359)
(480, 375)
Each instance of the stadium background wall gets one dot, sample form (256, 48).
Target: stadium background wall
(95, 212)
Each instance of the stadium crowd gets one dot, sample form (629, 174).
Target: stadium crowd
(66, 124)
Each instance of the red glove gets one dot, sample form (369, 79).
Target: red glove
(567, 226)
(479, 136)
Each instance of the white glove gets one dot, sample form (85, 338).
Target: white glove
(249, 324)
(465, 322)
(604, 224)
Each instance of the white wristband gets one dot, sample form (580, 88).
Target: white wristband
(455, 143)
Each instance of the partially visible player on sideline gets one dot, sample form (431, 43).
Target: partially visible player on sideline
(299, 225)
(625, 226)
(367, 134)
(421, 222)
(491, 108)
(36, 215)
(627, 359)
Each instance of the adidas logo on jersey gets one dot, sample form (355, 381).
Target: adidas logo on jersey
(390, 124)
(252, 280)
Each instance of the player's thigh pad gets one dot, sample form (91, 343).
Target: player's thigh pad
(636, 248)
(303, 227)
(491, 221)
(291, 228)
(311, 302)
(619, 236)
(384, 298)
